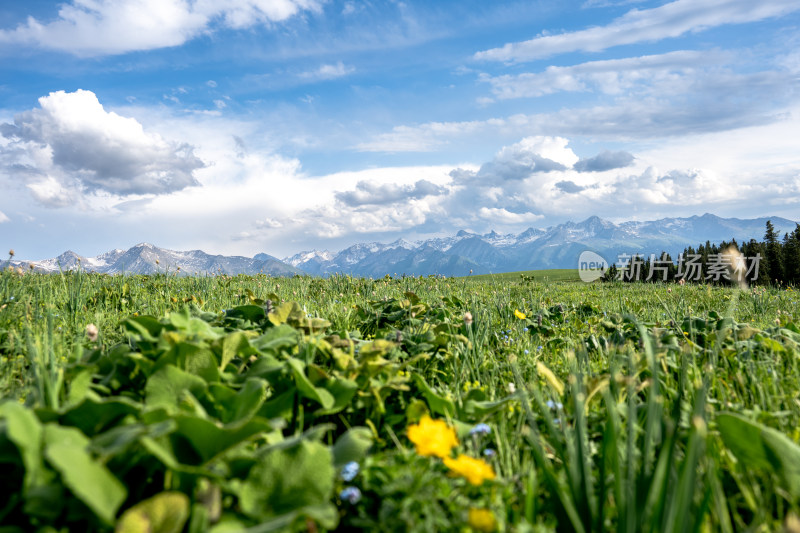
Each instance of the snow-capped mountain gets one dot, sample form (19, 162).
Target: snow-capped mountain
(145, 258)
(535, 248)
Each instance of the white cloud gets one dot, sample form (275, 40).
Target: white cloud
(614, 76)
(499, 215)
(424, 137)
(370, 193)
(107, 27)
(328, 72)
(646, 25)
(71, 144)
(4, 217)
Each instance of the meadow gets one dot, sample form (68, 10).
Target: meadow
(488, 403)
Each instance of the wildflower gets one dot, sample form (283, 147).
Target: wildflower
(526, 352)
(682, 282)
(432, 437)
(519, 314)
(669, 289)
(92, 332)
(480, 429)
(511, 388)
(489, 452)
(482, 520)
(351, 495)
(11, 253)
(554, 405)
(476, 471)
(350, 471)
(467, 318)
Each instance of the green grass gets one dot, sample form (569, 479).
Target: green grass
(556, 274)
(233, 403)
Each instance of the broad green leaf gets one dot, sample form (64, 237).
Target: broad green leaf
(305, 387)
(287, 313)
(198, 360)
(375, 349)
(79, 386)
(166, 512)
(279, 405)
(192, 326)
(276, 338)
(147, 327)
(249, 399)
(253, 313)
(325, 515)
(207, 440)
(95, 415)
(352, 445)
(91, 482)
(343, 391)
(437, 403)
(25, 431)
(234, 345)
(286, 480)
(480, 409)
(168, 387)
(758, 446)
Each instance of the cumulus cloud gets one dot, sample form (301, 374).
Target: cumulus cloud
(500, 215)
(370, 193)
(3, 217)
(569, 187)
(107, 27)
(605, 160)
(646, 25)
(71, 144)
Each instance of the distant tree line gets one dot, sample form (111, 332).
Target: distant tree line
(774, 260)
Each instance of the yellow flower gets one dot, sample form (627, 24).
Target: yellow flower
(433, 437)
(482, 520)
(475, 470)
(519, 314)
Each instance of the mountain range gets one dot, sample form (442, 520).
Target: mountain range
(145, 258)
(554, 247)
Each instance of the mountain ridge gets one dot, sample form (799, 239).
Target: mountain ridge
(557, 246)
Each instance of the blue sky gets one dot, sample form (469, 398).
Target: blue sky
(277, 126)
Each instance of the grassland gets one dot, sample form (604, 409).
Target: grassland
(488, 403)
(544, 276)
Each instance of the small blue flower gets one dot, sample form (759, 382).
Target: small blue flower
(525, 329)
(350, 494)
(539, 347)
(488, 452)
(350, 471)
(554, 405)
(480, 429)
(526, 352)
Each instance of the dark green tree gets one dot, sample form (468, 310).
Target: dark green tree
(774, 263)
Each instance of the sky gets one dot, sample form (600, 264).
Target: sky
(247, 126)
